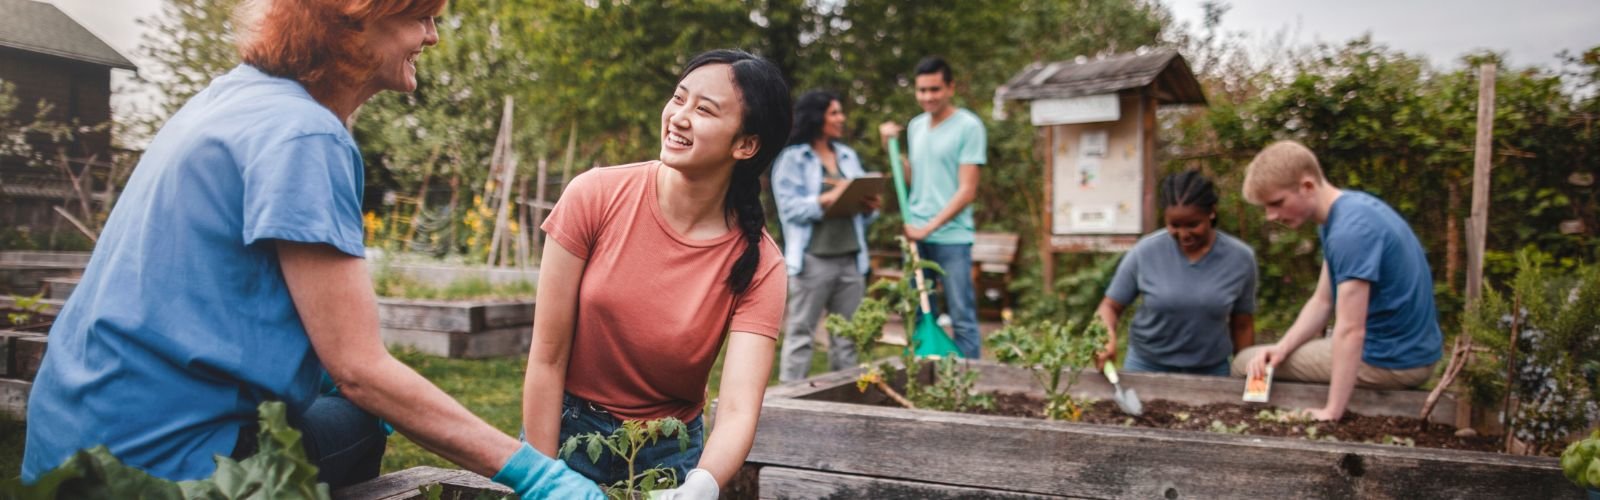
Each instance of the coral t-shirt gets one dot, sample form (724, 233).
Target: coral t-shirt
(653, 306)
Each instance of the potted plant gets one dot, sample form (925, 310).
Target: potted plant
(1581, 463)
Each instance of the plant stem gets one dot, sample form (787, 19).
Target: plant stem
(894, 395)
(1511, 371)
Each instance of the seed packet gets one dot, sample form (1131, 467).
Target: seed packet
(1257, 388)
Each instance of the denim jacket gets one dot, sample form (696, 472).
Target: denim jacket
(796, 183)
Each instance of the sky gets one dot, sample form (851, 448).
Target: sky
(1529, 32)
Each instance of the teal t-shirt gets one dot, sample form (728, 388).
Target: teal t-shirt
(1364, 239)
(936, 158)
(182, 323)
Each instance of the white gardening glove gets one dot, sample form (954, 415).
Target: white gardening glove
(698, 485)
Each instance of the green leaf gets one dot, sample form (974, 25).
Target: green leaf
(279, 471)
(595, 444)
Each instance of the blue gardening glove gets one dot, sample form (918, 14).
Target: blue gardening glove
(698, 485)
(535, 476)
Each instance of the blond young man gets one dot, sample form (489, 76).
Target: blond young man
(1375, 285)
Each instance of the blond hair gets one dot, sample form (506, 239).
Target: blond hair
(1278, 166)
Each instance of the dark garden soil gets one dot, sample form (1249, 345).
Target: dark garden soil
(1257, 420)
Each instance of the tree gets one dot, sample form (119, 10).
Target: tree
(189, 43)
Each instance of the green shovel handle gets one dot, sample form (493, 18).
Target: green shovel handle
(899, 179)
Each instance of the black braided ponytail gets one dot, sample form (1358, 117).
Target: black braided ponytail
(1190, 188)
(766, 115)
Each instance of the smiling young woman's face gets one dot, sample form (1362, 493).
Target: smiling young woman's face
(833, 121)
(701, 123)
(1190, 225)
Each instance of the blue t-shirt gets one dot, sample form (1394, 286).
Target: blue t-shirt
(1364, 239)
(936, 158)
(1186, 318)
(182, 323)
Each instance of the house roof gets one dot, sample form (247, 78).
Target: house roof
(42, 28)
(1164, 69)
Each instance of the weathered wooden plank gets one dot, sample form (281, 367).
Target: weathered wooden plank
(508, 313)
(27, 354)
(59, 288)
(1058, 458)
(795, 484)
(24, 279)
(7, 348)
(430, 315)
(14, 397)
(407, 484)
(510, 341)
(453, 316)
(1186, 389)
(65, 259)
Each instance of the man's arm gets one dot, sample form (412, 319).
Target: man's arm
(333, 294)
(1308, 325)
(553, 326)
(1349, 332)
(966, 191)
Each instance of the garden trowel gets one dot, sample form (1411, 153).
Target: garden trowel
(1126, 399)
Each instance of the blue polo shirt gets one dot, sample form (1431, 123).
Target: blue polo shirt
(182, 323)
(1367, 240)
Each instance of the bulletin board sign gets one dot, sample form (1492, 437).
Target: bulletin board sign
(1098, 177)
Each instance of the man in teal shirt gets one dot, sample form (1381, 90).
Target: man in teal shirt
(947, 146)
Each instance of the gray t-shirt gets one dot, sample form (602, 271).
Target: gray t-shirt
(1184, 319)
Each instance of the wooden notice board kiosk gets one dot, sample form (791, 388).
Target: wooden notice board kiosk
(1098, 121)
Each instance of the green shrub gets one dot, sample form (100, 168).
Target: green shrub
(1556, 317)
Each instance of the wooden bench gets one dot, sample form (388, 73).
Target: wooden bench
(993, 254)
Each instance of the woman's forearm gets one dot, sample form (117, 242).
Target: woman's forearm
(541, 406)
(728, 445)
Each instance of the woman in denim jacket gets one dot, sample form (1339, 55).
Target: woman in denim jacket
(826, 256)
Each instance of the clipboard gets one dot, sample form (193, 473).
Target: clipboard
(849, 202)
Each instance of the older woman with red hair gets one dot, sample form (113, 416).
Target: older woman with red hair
(230, 273)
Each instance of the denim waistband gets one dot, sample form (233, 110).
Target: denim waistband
(569, 399)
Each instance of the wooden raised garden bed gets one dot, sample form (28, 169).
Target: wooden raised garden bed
(823, 438)
(22, 348)
(458, 328)
(417, 483)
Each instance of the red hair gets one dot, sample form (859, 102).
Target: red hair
(319, 43)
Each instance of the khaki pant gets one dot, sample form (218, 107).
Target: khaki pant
(1313, 362)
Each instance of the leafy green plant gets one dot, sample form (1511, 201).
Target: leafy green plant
(1393, 440)
(1553, 386)
(1221, 428)
(625, 443)
(279, 471)
(951, 388)
(1282, 416)
(1581, 462)
(1055, 353)
(28, 307)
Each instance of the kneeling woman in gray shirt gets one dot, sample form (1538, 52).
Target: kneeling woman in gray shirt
(1198, 284)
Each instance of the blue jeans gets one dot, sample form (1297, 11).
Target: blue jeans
(1135, 363)
(345, 442)
(582, 417)
(960, 297)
